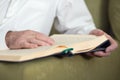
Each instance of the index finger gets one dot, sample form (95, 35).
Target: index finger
(45, 38)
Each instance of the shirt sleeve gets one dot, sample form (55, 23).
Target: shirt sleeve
(73, 17)
(3, 32)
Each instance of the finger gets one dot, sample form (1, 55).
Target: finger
(45, 38)
(26, 45)
(101, 54)
(97, 32)
(39, 36)
(90, 54)
(38, 42)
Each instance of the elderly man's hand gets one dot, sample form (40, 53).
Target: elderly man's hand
(27, 39)
(109, 49)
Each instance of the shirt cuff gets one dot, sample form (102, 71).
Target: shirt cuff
(3, 45)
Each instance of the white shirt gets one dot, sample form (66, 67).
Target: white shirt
(69, 16)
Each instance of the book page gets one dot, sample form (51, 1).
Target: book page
(80, 43)
(86, 46)
(21, 52)
(68, 39)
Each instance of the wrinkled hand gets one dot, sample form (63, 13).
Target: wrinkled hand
(27, 39)
(109, 49)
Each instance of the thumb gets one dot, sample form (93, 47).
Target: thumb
(97, 32)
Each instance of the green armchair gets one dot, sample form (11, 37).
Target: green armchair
(76, 67)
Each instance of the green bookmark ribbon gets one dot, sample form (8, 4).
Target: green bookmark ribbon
(66, 51)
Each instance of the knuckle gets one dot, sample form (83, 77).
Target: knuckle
(27, 32)
(21, 42)
(27, 46)
(39, 35)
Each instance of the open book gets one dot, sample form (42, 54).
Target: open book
(65, 44)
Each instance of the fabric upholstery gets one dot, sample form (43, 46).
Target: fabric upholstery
(114, 15)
